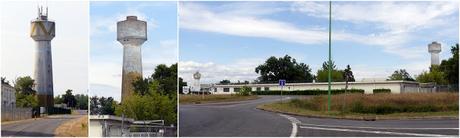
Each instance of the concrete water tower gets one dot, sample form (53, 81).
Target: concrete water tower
(434, 48)
(131, 33)
(196, 82)
(43, 31)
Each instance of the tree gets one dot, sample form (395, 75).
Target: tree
(166, 77)
(94, 106)
(154, 97)
(450, 66)
(58, 99)
(181, 85)
(24, 85)
(103, 106)
(82, 101)
(245, 91)
(224, 82)
(348, 74)
(25, 94)
(323, 74)
(286, 68)
(4, 81)
(435, 75)
(400, 74)
(69, 98)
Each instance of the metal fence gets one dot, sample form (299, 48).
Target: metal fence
(15, 113)
(431, 87)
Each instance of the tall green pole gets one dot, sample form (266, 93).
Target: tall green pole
(330, 63)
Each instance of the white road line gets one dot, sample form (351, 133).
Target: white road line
(294, 123)
(413, 128)
(377, 132)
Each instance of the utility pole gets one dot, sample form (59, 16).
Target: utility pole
(330, 63)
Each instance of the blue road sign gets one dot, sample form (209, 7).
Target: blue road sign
(282, 82)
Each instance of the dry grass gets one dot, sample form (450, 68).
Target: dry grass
(74, 128)
(383, 105)
(213, 98)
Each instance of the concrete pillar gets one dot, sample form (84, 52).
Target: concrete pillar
(131, 33)
(43, 31)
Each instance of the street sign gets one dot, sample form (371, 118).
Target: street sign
(282, 82)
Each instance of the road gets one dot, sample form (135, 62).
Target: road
(43, 127)
(243, 119)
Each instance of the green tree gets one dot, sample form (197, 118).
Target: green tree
(400, 74)
(224, 82)
(94, 105)
(106, 106)
(286, 68)
(25, 95)
(69, 98)
(167, 78)
(435, 75)
(58, 100)
(450, 66)
(336, 75)
(82, 101)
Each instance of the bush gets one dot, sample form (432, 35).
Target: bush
(308, 92)
(245, 91)
(381, 91)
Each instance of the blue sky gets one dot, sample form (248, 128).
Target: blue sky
(227, 40)
(106, 54)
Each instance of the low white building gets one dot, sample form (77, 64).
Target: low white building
(367, 86)
(8, 96)
(108, 126)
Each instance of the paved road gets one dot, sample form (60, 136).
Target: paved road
(41, 127)
(242, 119)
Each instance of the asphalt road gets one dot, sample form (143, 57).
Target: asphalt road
(43, 127)
(243, 119)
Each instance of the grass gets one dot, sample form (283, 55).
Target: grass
(213, 98)
(375, 106)
(74, 128)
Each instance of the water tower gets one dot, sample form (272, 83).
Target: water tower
(131, 33)
(434, 48)
(196, 82)
(43, 31)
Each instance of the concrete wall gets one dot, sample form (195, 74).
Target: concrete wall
(368, 87)
(13, 113)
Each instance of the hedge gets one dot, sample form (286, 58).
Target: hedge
(381, 90)
(307, 92)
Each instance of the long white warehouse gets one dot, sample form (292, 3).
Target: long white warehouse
(368, 87)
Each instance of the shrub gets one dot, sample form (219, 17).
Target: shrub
(245, 91)
(308, 92)
(382, 90)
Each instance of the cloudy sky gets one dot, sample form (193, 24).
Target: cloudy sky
(106, 56)
(227, 40)
(69, 47)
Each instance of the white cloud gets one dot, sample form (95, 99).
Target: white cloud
(69, 47)
(398, 22)
(212, 73)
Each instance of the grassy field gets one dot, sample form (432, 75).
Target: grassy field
(73, 128)
(373, 106)
(213, 98)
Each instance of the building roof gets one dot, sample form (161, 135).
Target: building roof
(109, 117)
(317, 83)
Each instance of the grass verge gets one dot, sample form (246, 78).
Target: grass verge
(74, 128)
(373, 107)
(213, 98)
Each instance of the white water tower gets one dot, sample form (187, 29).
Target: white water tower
(434, 48)
(196, 83)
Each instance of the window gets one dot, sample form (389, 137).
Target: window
(258, 89)
(236, 89)
(266, 88)
(226, 89)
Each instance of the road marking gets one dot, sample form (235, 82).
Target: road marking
(294, 123)
(407, 128)
(376, 132)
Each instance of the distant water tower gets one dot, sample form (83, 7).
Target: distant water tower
(43, 31)
(131, 33)
(196, 84)
(434, 48)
